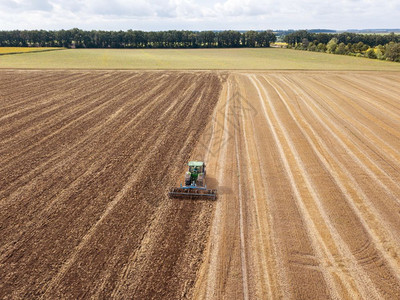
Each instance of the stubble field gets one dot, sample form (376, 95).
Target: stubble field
(307, 166)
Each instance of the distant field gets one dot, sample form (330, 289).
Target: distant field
(15, 50)
(189, 59)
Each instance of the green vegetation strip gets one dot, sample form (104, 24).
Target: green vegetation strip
(193, 59)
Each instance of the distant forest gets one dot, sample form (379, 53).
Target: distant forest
(375, 46)
(371, 40)
(76, 38)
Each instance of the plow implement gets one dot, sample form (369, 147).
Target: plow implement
(185, 192)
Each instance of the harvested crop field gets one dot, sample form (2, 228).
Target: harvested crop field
(307, 165)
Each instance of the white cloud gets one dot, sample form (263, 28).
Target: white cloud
(26, 5)
(198, 15)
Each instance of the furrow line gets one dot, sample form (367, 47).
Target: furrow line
(265, 273)
(346, 252)
(356, 154)
(318, 242)
(385, 236)
(243, 255)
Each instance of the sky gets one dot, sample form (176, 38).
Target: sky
(198, 15)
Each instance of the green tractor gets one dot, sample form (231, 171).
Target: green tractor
(195, 186)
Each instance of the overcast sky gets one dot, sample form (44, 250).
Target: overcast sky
(198, 15)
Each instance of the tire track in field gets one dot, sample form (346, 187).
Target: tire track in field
(212, 151)
(320, 247)
(377, 241)
(213, 278)
(243, 250)
(226, 251)
(336, 158)
(325, 216)
(267, 263)
(367, 125)
(357, 154)
(277, 276)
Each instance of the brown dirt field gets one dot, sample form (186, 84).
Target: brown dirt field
(86, 160)
(307, 165)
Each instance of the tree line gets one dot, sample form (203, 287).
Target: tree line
(384, 47)
(77, 38)
(345, 37)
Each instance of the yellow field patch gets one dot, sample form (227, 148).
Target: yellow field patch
(12, 50)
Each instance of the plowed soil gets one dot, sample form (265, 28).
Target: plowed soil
(86, 160)
(307, 166)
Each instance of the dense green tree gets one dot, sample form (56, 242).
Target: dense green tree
(340, 49)
(370, 53)
(358, 47)
(206, 39)
(321, 47)
(392, 51)
(265, 38)
(332, 45)
(311, 47)
(250, 38)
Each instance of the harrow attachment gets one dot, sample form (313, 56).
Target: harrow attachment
(192, 192)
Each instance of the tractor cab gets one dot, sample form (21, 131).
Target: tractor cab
(195, 174)
(196, 167)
